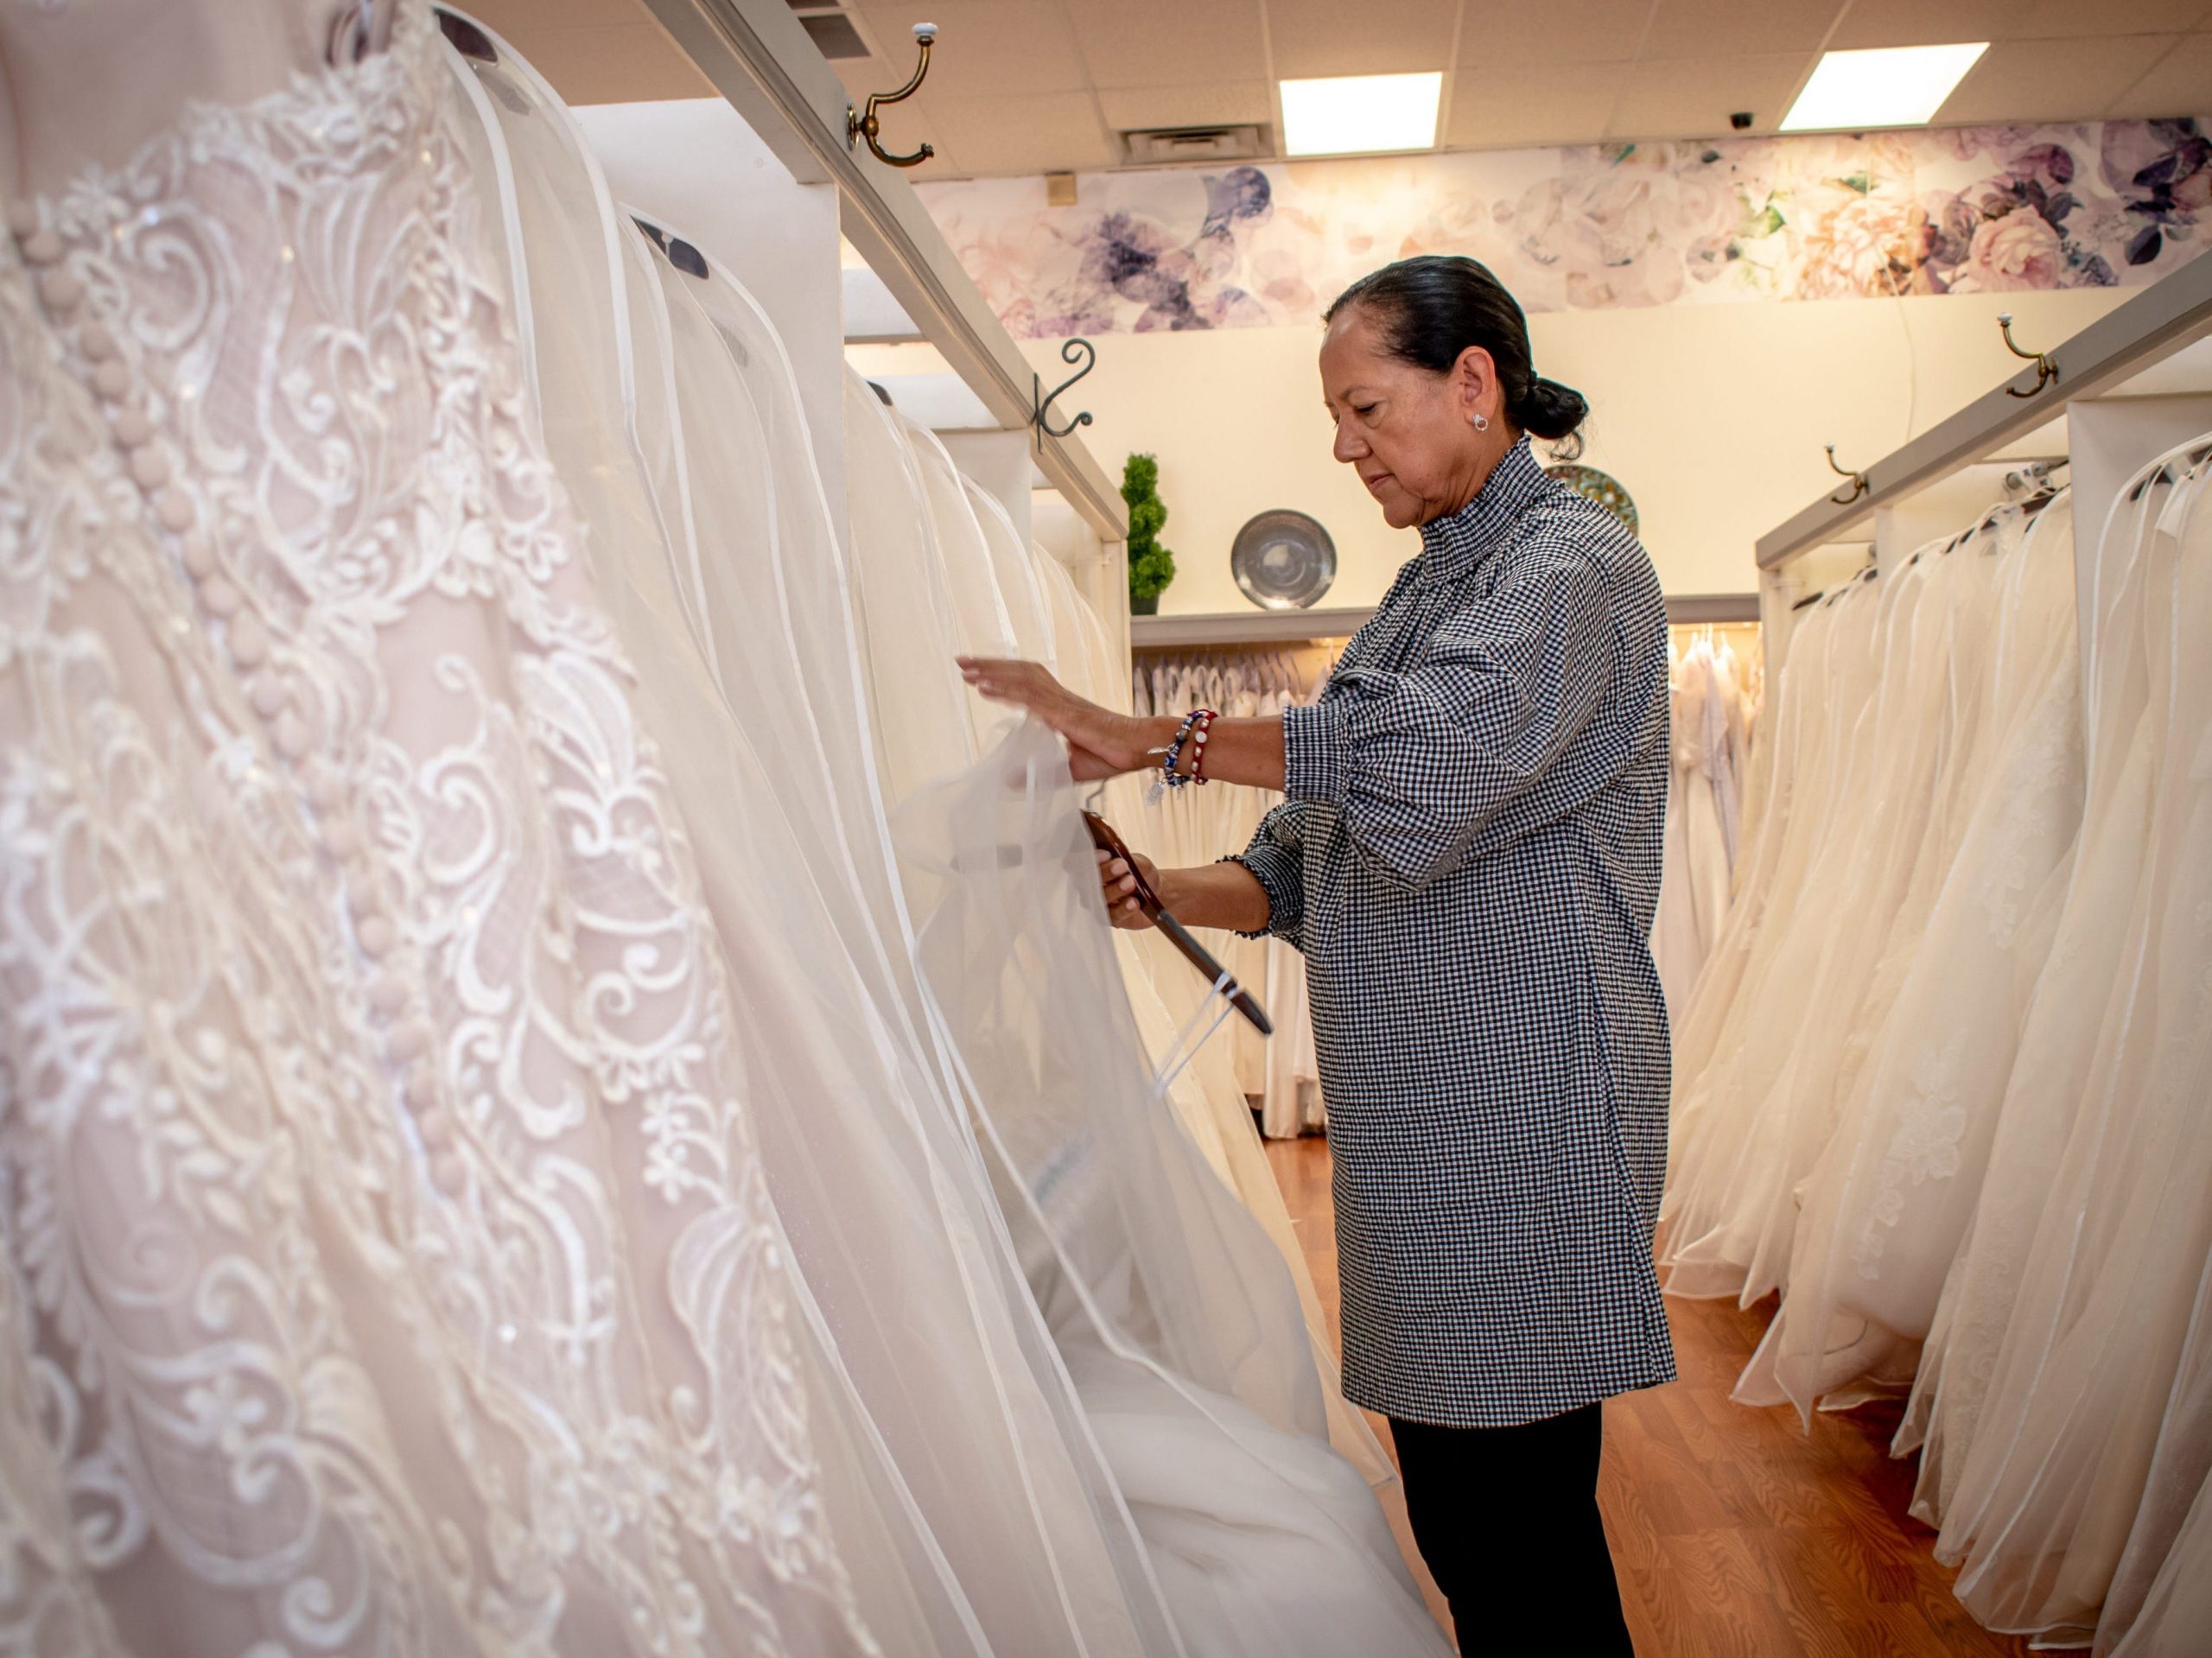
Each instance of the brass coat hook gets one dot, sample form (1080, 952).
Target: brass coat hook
(1076, 351)
(1858, 480)
(2046, 370)
(859, 125)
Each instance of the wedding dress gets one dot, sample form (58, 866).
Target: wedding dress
(389, 1266)
(1731, 1146)
(1696, 1026)
(1883, 1208)
(1827, 680)
(865, 1157)
(2052, 1482)
(1203, 1512)
(1700, 826)
(2064, 1012)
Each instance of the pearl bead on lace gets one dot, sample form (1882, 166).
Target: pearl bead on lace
(422, 1092)
(361, 895)
(41, 247)
(60, 290)
(249, 641)
(134, 428)
(219, 598)
(150, 467)
(409, 1042)
(431, 1119)
(376, 937)
(267, 695)
(447, 1174)
(111, 379)
(198, 559)
(291, 735)
(387, 994)
(172, 509)
(341, 839)
(96, 342)
(325, 791)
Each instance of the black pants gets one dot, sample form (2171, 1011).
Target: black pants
(1507, 1519)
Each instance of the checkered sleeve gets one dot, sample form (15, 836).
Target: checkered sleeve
(1421, 764)
(1276, 858)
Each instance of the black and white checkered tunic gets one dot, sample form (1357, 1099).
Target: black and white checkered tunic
(1469, 856)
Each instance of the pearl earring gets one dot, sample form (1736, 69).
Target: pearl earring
(1479, 421)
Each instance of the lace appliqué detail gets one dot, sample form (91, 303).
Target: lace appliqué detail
(552, 1395)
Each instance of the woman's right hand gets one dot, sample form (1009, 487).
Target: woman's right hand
(1120, 888)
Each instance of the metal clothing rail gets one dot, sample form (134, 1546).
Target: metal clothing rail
(760, 59)
(2162, 319)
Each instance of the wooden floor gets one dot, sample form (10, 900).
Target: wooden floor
(1735, 1534)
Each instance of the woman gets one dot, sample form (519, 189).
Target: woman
(1468, 855)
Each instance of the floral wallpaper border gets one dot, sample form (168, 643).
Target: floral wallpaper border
(1958, 211)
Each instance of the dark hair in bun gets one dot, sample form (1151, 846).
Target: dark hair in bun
(1431, 308)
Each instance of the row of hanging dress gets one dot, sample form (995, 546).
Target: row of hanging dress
(1713, 711)
(390, 1261)
(1176, 1471)
(1279, 1074)
(492, 1161)
(1943, 1087)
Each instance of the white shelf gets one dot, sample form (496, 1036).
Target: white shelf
(1243, 627)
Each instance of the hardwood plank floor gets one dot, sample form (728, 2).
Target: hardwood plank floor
(1733, 1531)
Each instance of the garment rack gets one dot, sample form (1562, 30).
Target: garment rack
(758, 57)
(2163, 319)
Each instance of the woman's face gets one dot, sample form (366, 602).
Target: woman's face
(1410, 433)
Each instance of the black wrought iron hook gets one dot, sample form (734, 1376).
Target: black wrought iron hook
(1041, 401)
(860, 125)
(1857, 480)
(2046, 370)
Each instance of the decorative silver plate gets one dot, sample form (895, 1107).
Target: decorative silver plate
(1283, 560)
(1599, 486)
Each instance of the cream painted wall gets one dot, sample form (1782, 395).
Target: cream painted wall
(1713, 417)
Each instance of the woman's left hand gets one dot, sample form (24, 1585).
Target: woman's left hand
(1101, 743)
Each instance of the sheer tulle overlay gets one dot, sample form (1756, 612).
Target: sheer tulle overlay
(1951, 1105)
(503, 1152)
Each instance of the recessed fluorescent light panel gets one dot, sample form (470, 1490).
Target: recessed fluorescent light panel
(1353, 115)
(1888, 86)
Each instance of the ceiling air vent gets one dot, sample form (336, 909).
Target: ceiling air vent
(833, 35)
(1157, 145)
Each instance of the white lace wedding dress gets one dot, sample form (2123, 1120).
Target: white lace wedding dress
(1155, 1332)
(388, 1265)
(2099, 1372)
(1894, 1187)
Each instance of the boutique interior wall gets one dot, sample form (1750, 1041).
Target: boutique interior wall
(1712, 417)
(1727, 308)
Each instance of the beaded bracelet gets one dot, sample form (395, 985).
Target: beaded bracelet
(1196, 721)
(1198, 739)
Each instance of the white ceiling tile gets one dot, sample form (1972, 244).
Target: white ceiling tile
(1930, 22)
(1542, 103)
(1922, 23)
(1170, 42)
(1374, 37)
(1693, 97)
(983, 47)
(1513, 32)
(1225, 103)
(2042, 19)
(1020, 133)
(2050, 80)
(2179, 82)
(1697, 28)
